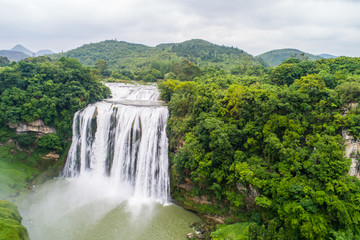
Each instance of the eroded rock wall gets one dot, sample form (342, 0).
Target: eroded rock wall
(37, 126)
(352, 148)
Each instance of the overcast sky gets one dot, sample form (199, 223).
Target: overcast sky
(255, 26)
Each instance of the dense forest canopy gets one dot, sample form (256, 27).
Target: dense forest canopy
(269, 148)
(39, 88)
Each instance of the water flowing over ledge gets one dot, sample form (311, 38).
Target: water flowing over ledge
(123, 140)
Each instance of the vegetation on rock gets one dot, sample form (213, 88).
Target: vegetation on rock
(10, 223)
(269, 149)
(38, 88)
(48, 90)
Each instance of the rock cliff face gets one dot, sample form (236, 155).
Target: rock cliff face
(37, 126)
(352, 148)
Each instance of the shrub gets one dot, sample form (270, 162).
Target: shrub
(26, 140)
(50, 142)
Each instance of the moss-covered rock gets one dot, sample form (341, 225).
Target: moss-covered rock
(10, 223)
(237, 231)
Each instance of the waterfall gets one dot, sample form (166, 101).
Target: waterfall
(123, 140)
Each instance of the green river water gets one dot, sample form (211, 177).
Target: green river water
(87, 209)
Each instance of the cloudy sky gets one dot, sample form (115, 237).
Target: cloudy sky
(256, 26)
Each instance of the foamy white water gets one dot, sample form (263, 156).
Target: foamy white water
(125, 143)
(116, 181)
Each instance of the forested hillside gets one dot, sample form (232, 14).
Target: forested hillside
(266, 152)
(276, 57)
(206, 54)
(122, 60)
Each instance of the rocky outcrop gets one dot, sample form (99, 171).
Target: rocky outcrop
(37, 126)
(51, 156)
(352, 147)
(350, 107)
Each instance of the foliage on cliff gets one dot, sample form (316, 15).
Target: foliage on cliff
(269, 148)
(38, 88)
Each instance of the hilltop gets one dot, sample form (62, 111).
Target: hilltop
(120, 54)
(116, 53)
(202, 52)
(276, 57)
(21, 48)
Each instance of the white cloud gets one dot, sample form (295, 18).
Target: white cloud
(256, 26)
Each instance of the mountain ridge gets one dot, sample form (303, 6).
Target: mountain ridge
(21, 48)
(121, 54)
(19, 52)
(13, 55)
(325, 55)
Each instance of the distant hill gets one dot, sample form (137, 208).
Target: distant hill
(21, 48)
(276, 57)
(43, 52)
(20, 52)
(120, 54)
(324, 55)
(204, 53)
(117, 54)
(4, 61)
(13, 55)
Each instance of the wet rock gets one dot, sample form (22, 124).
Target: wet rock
(352, 147)
(52, 156)
(202, 230)
(190, 236)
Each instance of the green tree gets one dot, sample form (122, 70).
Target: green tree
(286, 73)
(50, 142)
(101, 65)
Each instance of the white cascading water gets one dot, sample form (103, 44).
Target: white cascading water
(123, 140)
(116, 183)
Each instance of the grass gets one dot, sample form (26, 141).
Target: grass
(19, 170)
(237, 231)
(15, 171)
(10, 223)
